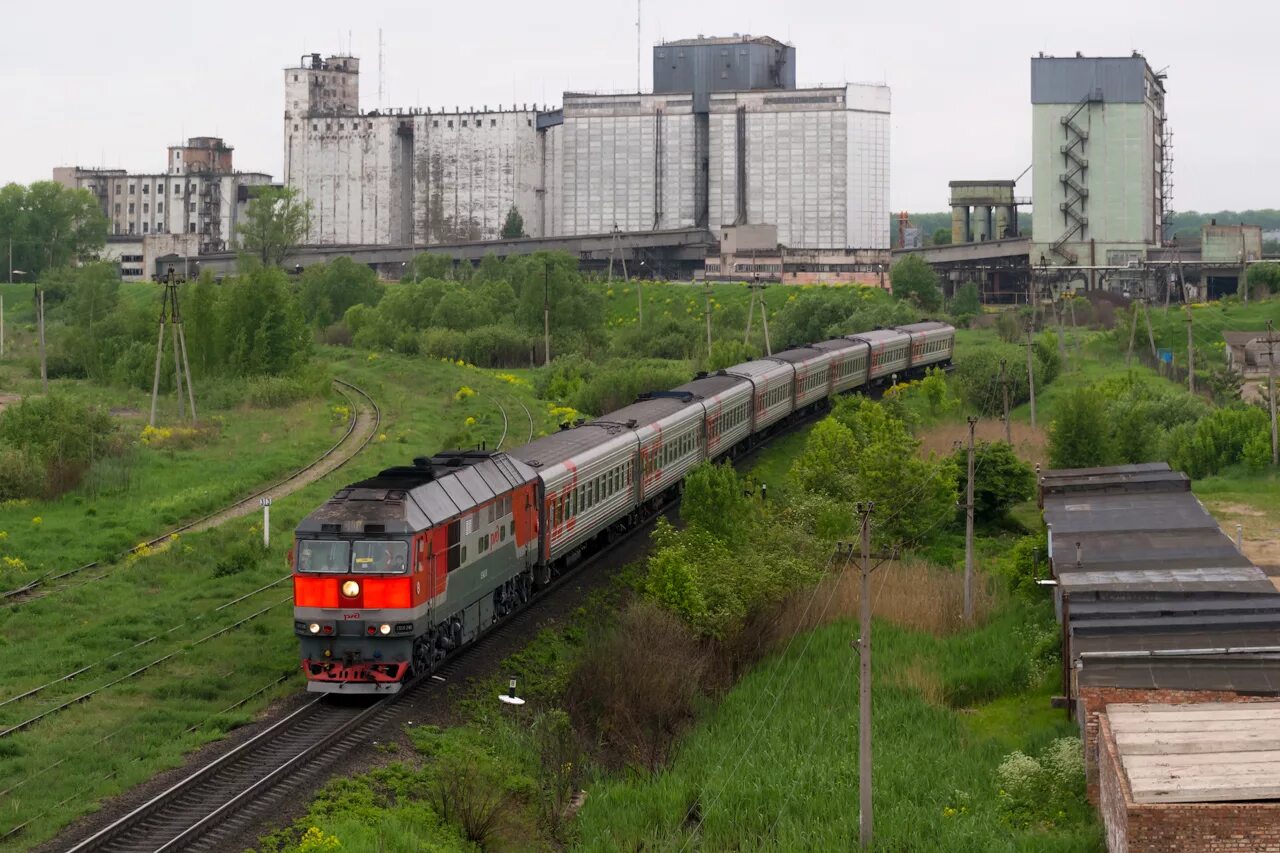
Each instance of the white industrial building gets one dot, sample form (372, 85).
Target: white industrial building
(725, 138)
(191, 208)
(1101, 182)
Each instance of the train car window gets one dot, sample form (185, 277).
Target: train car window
(324, 555)
(380, 556)
(513, 526)
(462, 554)
(502, 532)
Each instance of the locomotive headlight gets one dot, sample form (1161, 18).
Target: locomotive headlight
(385, 629)
(314, 627)
(351, 589)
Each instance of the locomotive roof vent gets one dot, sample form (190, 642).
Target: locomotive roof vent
(330, 528)
(375, 528)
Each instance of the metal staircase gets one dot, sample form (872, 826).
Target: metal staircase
(1075, 179)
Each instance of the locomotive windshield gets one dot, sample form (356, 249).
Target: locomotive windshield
(324, 555)
(381, 557)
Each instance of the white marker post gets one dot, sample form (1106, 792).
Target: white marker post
(266, 521)
(510, 697)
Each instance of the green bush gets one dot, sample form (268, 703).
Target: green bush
(715, 499)
(617, 383)
(273, 392)
(1080, 435)
(1222, 438)
(21, 476)
(326, 291)
(1001, 479)
(1025, 563)
(1043, 790)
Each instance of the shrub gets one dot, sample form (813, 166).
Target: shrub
(638, 685)
(714, 500)
(1043, 790)
(1026, 562)
(1001, 479)
(1009, 327)
(21, 475)
(727, 353)
(56, 436)
(914, 281)
(273, 392)
(1080, 435)
(617, 384)
(1217, 440)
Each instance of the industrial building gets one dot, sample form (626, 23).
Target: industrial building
(1101, 177)
(191, 208)
(725, 138)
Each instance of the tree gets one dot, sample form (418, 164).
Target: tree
(275, 221)
(714, 500)
(942, 237)
(429, 265)
(914, 281)
(49, 226)
(513, 228)
(326, 291)
(1080, 435)
(1001, 479)
(966, 304)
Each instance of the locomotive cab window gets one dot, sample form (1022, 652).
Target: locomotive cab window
(380, 557)
(324, 555)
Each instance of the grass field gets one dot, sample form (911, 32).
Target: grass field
(774, 766)
(133, 730)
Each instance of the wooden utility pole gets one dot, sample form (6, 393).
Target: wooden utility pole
(1191, 356)
(1031, 376)
(1062, 334)
(968, 531)
(44, 367)
(1271, 391)
(1151, 335)
(546, 313)
(757, 295)
(707, 312)
(1075, 329)
(1133, 333)
(1004, 386)
(1244, 267)
(864, 681)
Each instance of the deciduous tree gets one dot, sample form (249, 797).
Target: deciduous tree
(49, 226)
(275, 221)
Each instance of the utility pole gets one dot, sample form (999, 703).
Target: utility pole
(1062, 333)
(639, 301)
(1031, 376)
(171, 314)
(757, 295)
(1191, 356)
(1151, 335)
(1271, 391)
(864, 681)
(707, 311)
(1133, 333)
(1075, 329)
(546, 313)
(1244, 267)
(968, 531)
(44, 368)
(1004, 385)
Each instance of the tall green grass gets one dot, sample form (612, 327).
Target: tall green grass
(774, 766)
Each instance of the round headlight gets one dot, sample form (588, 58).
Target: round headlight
(350, 589)
(314, 627)
(385, 629)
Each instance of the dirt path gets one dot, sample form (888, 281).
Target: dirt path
(368, 419)
(1260, 532)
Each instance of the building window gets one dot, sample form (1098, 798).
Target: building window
(146, 227)
(529, 122)
(177, 189)
(191, 227)
(295, 78)
(451, 122)
(159, 207)
(117, 207)
(193, 207)
(435, 122)
(118, 189)
(130, 227)
(131, 207)
(313, 125)
(146, 189)
(493, 122)
(464, 122)
(130, 189)
(146, 208)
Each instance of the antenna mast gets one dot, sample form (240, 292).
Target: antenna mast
(381, 68)
(639, 49)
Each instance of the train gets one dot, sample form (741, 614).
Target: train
(397, 571)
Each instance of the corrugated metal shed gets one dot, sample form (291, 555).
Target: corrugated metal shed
(1150, 591)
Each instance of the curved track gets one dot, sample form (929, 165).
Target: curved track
(366, 420)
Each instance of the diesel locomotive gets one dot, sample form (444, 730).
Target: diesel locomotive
(396, 571)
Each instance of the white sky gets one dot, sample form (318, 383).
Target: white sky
(112, 84)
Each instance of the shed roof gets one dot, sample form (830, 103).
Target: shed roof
(1202, 752)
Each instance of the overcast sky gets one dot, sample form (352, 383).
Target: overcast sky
(112, 84)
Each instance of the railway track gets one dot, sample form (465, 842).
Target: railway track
(506, 422)
(41, 584)
(216, 801)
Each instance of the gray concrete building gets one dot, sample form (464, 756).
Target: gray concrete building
(193, 207)
(725, 138)
(1100, 185)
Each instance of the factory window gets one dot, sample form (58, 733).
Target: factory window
(435, 122)
(313, 125)
(493, 122)
(368, 125)
(146, 208)
(177, 189)
(529, 122)
(131, 207)
(193, 207)
(295, 78)
(130, 227)
(118, 188)
(451, 122)
(146, 227)
(328, 125)
(464, 122)
(159, 207)
(130, 189)
(146, 189)
(191, 228)
(117, 207)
